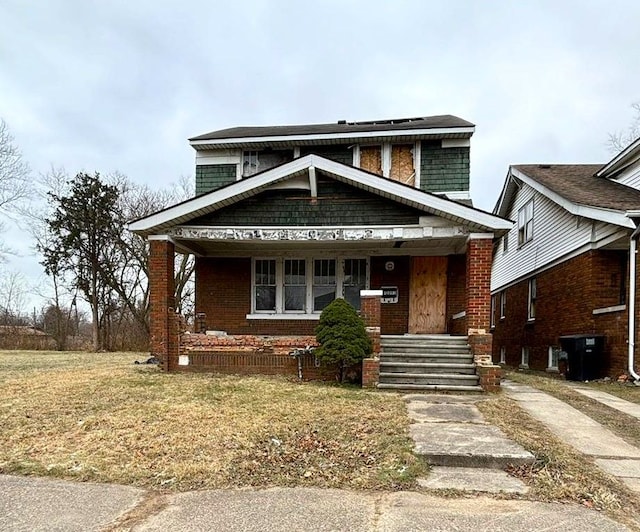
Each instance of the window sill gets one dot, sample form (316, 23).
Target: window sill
(287, 316)
(552, 370)
(523, 366)
(459, 315)
(607, 310)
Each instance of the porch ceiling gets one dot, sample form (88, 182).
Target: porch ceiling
(427, 247)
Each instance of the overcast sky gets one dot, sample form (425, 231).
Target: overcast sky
(120, 85)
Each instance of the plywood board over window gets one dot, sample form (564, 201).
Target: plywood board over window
(402, 168)
(371, 159)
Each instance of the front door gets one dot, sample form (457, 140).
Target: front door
(428, 295)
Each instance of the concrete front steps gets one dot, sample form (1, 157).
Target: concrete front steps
(421, 362)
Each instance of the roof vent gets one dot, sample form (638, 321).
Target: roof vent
(544, 166)
(342, 122)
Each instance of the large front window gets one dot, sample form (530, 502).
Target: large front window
(306, 285)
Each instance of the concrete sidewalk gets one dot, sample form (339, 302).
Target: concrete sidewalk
(610, 452)
(30, 504)
(617, 403)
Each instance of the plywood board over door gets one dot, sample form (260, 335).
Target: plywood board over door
(428, 295)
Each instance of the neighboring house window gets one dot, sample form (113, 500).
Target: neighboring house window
(503, 304)
(259, 161)
(533, 295)
(525, 223)
(505, 243)
(553, 358)
(295, 285)
(524, 362)
(355, 279)
(503, 355)
(265, 285)
(492, 319)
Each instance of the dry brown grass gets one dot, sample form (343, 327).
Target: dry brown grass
(560, 473)
(99, 417)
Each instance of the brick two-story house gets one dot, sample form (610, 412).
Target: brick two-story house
(565, 269)
(287, 218)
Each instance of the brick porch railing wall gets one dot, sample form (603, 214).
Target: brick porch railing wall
(371, 312)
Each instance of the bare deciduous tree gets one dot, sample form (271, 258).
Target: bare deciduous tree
(14, 171)
(619, 140)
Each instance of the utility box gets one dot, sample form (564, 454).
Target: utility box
(585, 356)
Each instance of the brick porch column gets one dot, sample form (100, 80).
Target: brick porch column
(371, 312)
(162, 322)
(479, 256)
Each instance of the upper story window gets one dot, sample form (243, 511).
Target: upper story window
(525, 223)
(395, 161)
(257, 161)
(505, 243)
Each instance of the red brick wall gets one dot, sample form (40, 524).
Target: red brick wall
(223, 294)
(478, 282)
(567, 295)
(394, 316)
(456, 293)
(252, 355)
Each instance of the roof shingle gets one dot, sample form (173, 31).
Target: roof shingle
(428, 122)
(579, 184)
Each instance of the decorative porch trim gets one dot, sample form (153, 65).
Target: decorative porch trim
(305, 234)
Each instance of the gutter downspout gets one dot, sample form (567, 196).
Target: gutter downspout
(632, 303)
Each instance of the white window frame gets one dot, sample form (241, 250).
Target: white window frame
(492, 318)
(532, 297)
(525, 223)
(524, 357)
(553, 353)
(308, 313)
(503, 304)
(503, 355)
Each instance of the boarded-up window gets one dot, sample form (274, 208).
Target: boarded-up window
(371, 159)
(402, 164)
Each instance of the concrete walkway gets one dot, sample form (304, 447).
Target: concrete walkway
(465, 452)
(610, 452)
(617, 403)
(28, 504)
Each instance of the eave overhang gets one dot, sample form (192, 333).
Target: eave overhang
(183, 213)
(369, 137)
(627, 157)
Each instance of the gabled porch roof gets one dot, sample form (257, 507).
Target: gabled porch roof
(305, 168)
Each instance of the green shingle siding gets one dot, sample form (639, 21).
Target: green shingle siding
(213, 176)
(337, 204)
(339, 153)
(443, 169)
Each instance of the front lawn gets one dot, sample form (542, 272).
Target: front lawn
(99, 417)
